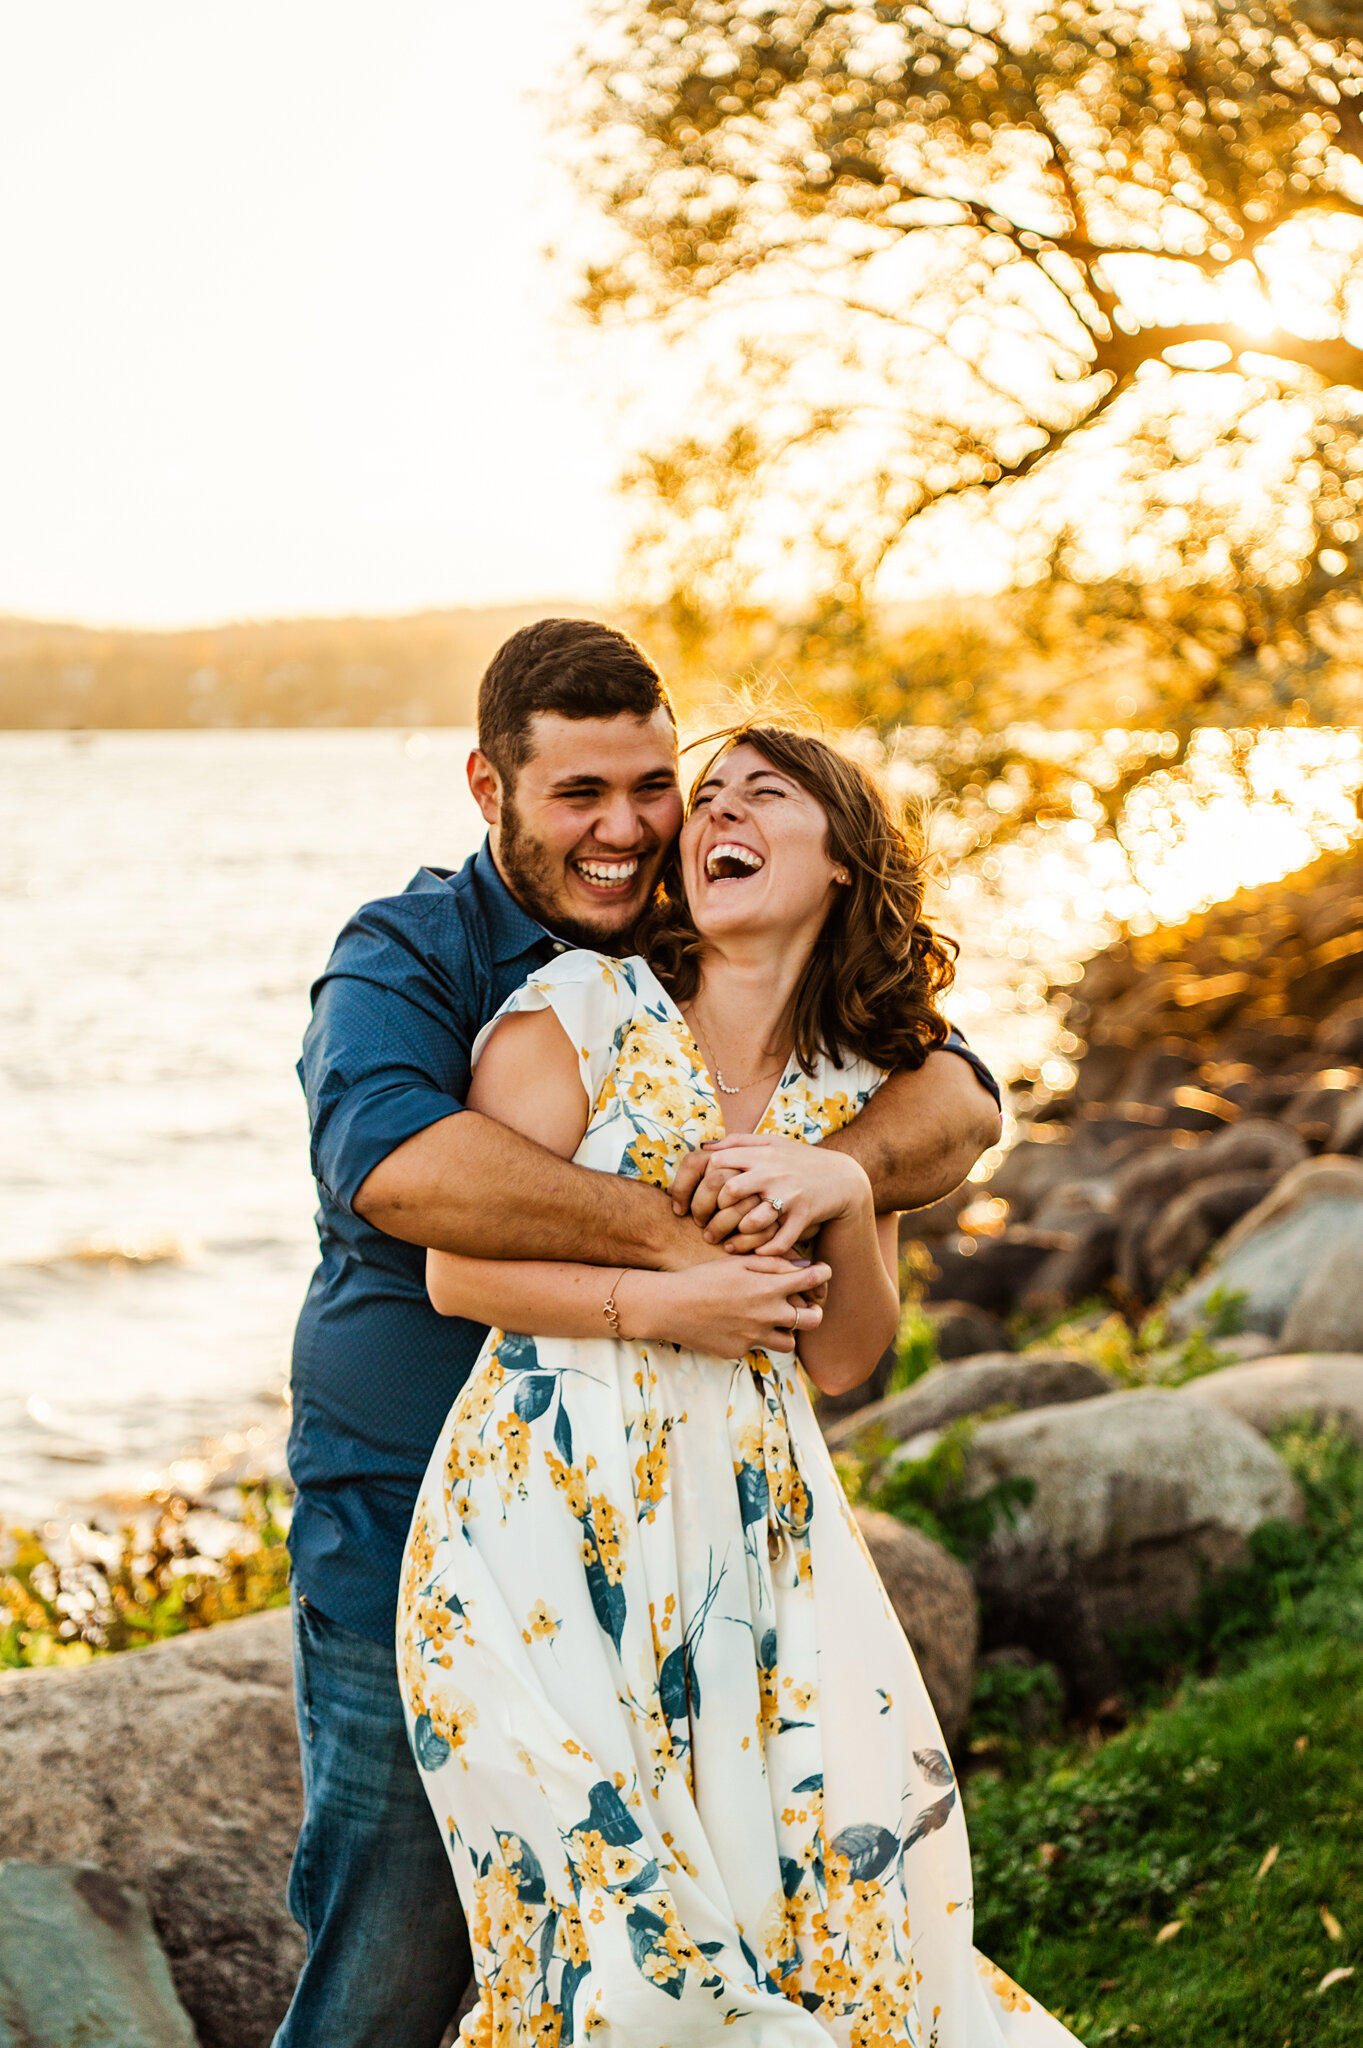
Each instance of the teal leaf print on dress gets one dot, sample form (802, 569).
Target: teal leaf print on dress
(534, 1396)
(573, 1974)
(431, 1749)
(753, 1494)
(648, 1946)
(563, 1432)
(672, 1684)
(516, 1353)
(868, 1849)
(608, 1601)
(609, 1815)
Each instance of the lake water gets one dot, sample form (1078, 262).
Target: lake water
(165, 901)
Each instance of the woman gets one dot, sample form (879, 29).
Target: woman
(689, 1778)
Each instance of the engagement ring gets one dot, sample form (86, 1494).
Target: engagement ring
(775, 1202)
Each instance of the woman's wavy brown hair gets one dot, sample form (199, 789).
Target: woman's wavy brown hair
(873, 981)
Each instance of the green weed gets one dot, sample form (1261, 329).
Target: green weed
(927, 1493)
(149, 1584)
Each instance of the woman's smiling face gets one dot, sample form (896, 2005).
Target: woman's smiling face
(754, 853)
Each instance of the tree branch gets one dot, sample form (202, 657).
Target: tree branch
(1337, 361)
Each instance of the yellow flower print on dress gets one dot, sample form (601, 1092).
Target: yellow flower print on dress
(1011, 1996)
(542, 1622)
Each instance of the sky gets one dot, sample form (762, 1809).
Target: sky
(280, 334)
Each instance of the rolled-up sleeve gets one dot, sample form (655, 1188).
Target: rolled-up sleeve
(385, 1055)
(957, 1044)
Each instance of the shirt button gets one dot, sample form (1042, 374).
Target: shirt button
(559, 946)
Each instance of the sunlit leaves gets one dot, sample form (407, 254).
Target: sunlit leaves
(1090, 267)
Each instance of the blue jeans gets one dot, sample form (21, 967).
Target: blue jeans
(371, 1885)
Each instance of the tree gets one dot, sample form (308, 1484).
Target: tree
(1081, 282)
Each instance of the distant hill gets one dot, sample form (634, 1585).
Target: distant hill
(420, 670)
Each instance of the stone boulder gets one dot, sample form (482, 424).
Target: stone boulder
(1185, 1230)
(79, 1962)
(1135, 1498)
(1266, 1392)
(1270, 1253)
(934, 1596)
(1327, 1314)
(174, 1769)
(1347, 1135)
(1030, 1379)
(1147, 1189)
(991, 1272)
(964, 1331)
(1076, 1270)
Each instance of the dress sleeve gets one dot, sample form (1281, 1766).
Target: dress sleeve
(593, 998)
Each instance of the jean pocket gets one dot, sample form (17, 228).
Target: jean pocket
(306, 1619)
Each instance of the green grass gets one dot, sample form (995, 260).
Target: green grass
(1080, 1862)
(1084, 1853)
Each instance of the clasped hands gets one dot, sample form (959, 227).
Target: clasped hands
(757, 1192)
(760, 1198)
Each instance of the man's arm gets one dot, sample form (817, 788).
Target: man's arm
(922, 1131)
(385, 1069)
(916, 1140)
(470, 1185)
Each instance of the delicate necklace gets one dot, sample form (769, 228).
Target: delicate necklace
(720, 1081)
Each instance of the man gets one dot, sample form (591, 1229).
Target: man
(576, 774)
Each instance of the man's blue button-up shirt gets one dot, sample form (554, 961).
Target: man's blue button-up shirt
(411, 982)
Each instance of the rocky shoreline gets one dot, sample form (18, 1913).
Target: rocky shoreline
(1219, 1096)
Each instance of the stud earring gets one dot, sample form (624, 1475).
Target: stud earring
(841, 875)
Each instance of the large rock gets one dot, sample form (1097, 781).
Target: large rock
(1146, 1189)
(1327, 1314)
(1266, 1392)
(79, 1962)
(1136, 1496)
(964, 1331)
(1270, 1253)
(1186, 1229)
(990, 1272)
(934, 1596)
(174, 1769)
(1031, 1379)
(1347, 1135)
(1077, 1270)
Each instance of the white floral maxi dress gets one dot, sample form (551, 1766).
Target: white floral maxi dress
(686, 1769)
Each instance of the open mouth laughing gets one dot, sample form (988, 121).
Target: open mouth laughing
(730, 862)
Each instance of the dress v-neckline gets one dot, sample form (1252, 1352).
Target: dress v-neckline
(786, 1077)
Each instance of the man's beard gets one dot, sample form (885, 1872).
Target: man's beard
(534, 878)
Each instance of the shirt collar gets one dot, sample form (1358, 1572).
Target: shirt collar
(513, 931)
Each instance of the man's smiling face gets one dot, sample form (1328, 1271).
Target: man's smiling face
(579, 837)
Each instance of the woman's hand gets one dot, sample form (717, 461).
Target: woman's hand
(781, 1190)
(725, 1307)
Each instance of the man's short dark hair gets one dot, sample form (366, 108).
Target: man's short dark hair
(576, 667)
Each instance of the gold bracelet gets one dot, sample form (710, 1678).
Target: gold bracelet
(608, 1308)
